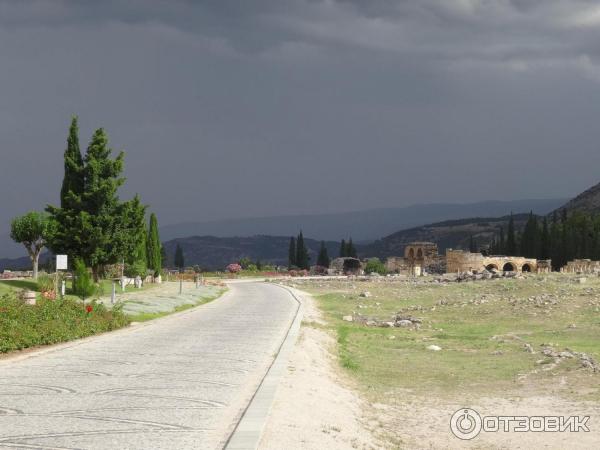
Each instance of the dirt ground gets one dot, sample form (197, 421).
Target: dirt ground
(314, 407)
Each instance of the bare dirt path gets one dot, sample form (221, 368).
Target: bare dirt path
(313, 407)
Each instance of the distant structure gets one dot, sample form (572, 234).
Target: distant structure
(463, 261)
(582, 266)
(346, 266)
(422, 257)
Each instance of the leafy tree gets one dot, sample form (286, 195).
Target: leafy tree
(73, 181)
(245, 263)
(374, 265)
(33, 231)
(302, 259)
(154, 247)
(323, 258)
(292, 253)
(179, 258)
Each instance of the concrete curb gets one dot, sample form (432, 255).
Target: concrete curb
(248, 431)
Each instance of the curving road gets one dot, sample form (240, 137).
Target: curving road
(176, 383)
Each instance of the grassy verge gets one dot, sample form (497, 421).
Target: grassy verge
(481, 327)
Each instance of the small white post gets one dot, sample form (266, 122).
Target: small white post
(181, 285)
(63, 288)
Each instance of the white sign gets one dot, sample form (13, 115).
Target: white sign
(61, 262)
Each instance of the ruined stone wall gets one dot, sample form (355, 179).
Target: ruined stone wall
(582, 266)
(462, 261)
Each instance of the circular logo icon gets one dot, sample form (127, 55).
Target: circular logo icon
(465, 424)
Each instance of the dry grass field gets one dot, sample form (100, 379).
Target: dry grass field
(508, 346)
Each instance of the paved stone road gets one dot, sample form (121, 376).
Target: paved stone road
(177, 383)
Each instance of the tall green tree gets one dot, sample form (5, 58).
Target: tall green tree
(292, 253)
(323, 258)
(302, 259)
(73, 180)
(133, 242)
(93, 227)
(343, 249)
(179, 257)
(153, 246)
(350, 249)
(472, 245)
(511, 240)
(33, 231)
(545, 243)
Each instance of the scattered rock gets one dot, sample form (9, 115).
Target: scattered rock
(366, 294)
(348, 318)
(403, 323)
(434, 348)
(528, 348)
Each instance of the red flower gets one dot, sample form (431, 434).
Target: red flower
(89, 308)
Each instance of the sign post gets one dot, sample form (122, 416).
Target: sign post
(62, 263)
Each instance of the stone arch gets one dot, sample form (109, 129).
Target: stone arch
(509, 267)
(526, 267)
(491, 267)
(411, 253)
(420, 253)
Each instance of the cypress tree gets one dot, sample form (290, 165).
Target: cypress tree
(301, 253)
(323, 259)
(511, 242)
(343, 249)
(154, 247)
(179, 258)
(472, 245)
(73, 180)
(350, 249)
(292, 253)
(544, 252)
(501, 243)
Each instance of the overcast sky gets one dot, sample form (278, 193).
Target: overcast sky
(247, 108)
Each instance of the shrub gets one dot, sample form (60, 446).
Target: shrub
(45, 283)
(233, 268)
(374, 265)
(83, 285)
(50, 322)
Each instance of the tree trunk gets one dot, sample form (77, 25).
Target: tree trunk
(96, 273)
(35, 259)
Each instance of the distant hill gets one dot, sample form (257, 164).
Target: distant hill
(366, 225)
(448, 234)
(588, 201)
(363, 226)
(214, 253)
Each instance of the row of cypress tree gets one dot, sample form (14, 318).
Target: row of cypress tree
(92, 224)
(347, 249)
(566, 236)
(298, 253)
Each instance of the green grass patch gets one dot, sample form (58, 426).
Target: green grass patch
(482, 328)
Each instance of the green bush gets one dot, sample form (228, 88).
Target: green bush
(52, 321)
(374, 265)
(83, 285)
(45, 283)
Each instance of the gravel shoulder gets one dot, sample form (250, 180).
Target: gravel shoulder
(314, 408)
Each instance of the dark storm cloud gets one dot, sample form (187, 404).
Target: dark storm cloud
(235, 108)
